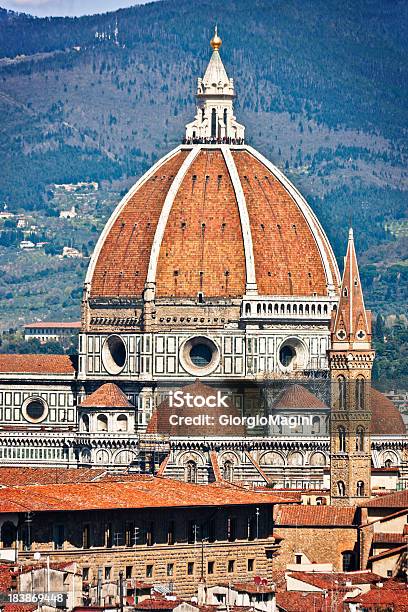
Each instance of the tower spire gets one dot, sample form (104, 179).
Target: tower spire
(215, 121)
(352, 323)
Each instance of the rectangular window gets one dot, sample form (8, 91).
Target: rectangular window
(170, 533)
(251, 565)
(149, 571)
(108, 572)
(129, 571)
(231, 566)
(210, 567)
(298, 559)
(150, 535)
(211, 530)
(190, 568)
(59, 537)
(129, 534)
(231, 529)
(85, 574)
(108, 535)
(170, 569)
(192, 532)
(86, 536)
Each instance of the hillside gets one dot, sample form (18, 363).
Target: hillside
(322, 89)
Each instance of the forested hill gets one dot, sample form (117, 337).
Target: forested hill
(321, 86)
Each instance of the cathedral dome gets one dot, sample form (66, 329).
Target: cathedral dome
(213, 218)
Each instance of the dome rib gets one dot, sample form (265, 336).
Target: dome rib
(164, 216)
(251, 285)
(95, 287)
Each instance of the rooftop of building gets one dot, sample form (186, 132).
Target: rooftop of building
(315, 516)
(143, 493)
(399, 499)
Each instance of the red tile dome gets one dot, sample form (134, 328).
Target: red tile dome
(215, 219)
(386, 419)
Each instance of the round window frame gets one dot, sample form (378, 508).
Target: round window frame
(301, 354)
(30, 400)
(185, 359)
(107, 358)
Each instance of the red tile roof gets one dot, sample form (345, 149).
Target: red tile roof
(315, 516)
(54, 324)
(391, 597)
(16, 476)
(385, 416)
(108, 395)
(158, 604)
(295, 601)
(389, 538)
(12, 607)
(147, 492)
(297, 396)
(336, 580)
(393, 500)
(38, 364)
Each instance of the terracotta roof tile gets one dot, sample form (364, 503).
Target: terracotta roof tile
(393, 500)
(294, 601)
(16, 476)
(313, 516)
(38, 364)
(392, 596)
(389, 538)
(54, 324)
(385, 416)
(335, 580)
(108, 395)
(297, 396)
(139, 493)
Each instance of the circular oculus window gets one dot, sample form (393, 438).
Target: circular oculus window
(199, 355)
(114, 354)
(34, 409)
(292, 355)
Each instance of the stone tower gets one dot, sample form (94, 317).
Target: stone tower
(350, 361)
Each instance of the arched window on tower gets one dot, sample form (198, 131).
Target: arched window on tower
(316, 425)
(228, 471)
(342, 440)
(85, 423)
(102, 422)
(360, 439)
(360, 393)
(191, 471)
(360, 488)
(122, 422)
(342, 389)
(213, 123)
(341, 488)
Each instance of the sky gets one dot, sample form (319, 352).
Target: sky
(45, 8)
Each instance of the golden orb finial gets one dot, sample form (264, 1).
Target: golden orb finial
(216, 41)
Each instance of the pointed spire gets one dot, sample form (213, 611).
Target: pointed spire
(352, 326)
(215, 119)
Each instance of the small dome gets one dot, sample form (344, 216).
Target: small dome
(297, 396)
(385, 417)
(160, 420)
